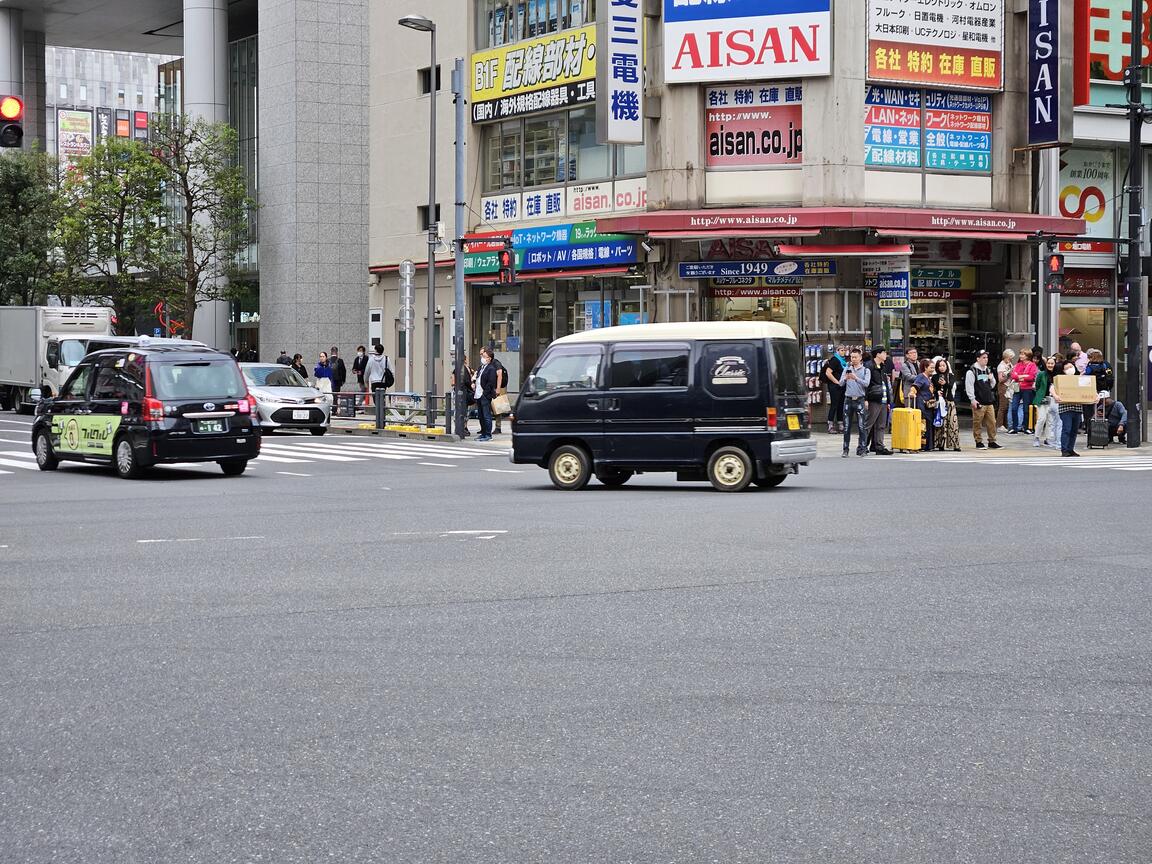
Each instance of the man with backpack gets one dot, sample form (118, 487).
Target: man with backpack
(981, 383)
(378, 373)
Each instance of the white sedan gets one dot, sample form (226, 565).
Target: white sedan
(284, 400)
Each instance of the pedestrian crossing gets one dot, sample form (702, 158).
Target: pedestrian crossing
(1103, 462)
(277, 450)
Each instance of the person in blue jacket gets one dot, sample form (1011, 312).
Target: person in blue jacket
(322, 373)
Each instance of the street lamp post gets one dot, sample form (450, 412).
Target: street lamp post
(426, 25)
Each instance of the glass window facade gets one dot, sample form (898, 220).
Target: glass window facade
(554, 148)
(242, 104)
(501, 22)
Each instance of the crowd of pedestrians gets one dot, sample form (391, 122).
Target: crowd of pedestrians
(1017, 397)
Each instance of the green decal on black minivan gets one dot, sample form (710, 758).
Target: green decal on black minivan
(92, 435)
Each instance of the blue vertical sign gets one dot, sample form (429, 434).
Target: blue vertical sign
(894, 289)
(1047, 105)
(620, 73)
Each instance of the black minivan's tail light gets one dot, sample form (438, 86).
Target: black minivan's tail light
(772, 419)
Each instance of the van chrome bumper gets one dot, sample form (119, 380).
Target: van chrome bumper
(793, 450)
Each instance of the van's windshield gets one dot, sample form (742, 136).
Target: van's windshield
(786, 369)
(197, 379)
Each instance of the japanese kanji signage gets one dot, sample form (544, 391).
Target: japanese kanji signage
(1088, 282)
(541, 74)
(934, 129)
(754, 126)
(551, 247)
(741, 40)
(620, 74)
(894, 284)
(74, 133)
(572, 201)
(1088, 192)
(735, 269)
(957, 131)
(1049, 74)
(892, 127)
(1110, 38)
(937, 283)
(946, 43)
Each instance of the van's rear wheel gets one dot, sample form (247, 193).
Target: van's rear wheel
(233, 467)
(614, 478)
(730, 470)
(771, 481)
(570, 467)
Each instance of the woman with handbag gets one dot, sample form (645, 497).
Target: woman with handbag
(923, 396)
(484, 387)
(1005, 387)
(944, 383)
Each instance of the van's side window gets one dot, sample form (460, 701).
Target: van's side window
(730, 369)
(786, 365)
(649, 367)
(568, 370)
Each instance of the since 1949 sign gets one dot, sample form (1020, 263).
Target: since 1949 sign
(743, 40)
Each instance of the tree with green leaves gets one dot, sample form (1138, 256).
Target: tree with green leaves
(209, 226)
(115, 227)
(30, 208)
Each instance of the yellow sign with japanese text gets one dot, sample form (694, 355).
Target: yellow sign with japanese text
(541, 74)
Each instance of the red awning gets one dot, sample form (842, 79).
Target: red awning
(901, 221)
(529, 275)
(844, 251)
(720, 235)
(1004, 237)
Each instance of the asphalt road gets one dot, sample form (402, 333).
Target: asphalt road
(882, 660)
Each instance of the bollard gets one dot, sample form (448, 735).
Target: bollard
(429, 410)
(379, 403)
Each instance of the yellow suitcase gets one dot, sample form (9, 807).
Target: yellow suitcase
(906, 428)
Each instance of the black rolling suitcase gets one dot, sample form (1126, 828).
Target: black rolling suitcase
(1098, 428)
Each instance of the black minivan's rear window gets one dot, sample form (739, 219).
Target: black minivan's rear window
(786, 368)
(197, 379)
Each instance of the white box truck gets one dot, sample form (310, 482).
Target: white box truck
(40, 345)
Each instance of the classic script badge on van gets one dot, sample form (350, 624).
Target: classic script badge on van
(730, 370)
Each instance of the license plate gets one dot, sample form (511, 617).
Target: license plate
(209, 425)
(793, 422)
(301, 415)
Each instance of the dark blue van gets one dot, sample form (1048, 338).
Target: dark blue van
(720, 401)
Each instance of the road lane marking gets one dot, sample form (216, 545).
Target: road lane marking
(202, 539)
(486, 531)
(502, 471)
(26, 423)
(12, 463)
(351, 451)
(282, 459)
(283, 452)
(292, 474)
(436, 464)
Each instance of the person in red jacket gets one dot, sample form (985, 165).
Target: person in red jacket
(1024, 374)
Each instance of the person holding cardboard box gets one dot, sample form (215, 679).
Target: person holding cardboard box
(1067, 390)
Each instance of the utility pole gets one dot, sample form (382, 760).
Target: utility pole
(1137, 292)
(459, 403)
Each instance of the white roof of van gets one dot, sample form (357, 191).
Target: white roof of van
(681, 331)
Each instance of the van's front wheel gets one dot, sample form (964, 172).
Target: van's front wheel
(570, 467)
(730, 470)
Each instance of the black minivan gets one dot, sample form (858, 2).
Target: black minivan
(145, 405)
(719, 401)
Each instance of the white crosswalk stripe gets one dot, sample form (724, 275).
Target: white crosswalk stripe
(335, 448)
(1110, 463)
(13, 463)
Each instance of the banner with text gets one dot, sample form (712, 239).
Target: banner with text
(946, 43)
(1088, 192)
(740, 40)
(540, 74)
(755, 126)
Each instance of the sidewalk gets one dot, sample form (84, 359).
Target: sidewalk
(365, 424)
(1016, 446)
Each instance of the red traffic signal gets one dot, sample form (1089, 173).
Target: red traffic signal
(1054, 273)
(507, 259)
(11, 117)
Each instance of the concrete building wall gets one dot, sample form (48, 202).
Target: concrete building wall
(313, 59)
(398, 176)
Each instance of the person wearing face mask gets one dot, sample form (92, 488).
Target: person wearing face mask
(358, 367)
(1070, 414)
(484, 386)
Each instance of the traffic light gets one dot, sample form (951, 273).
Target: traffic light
(11, 121)
(507, 264)
(1054, 273)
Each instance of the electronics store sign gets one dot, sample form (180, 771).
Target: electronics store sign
(542, 74)
(730, 269)
(742, 40)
